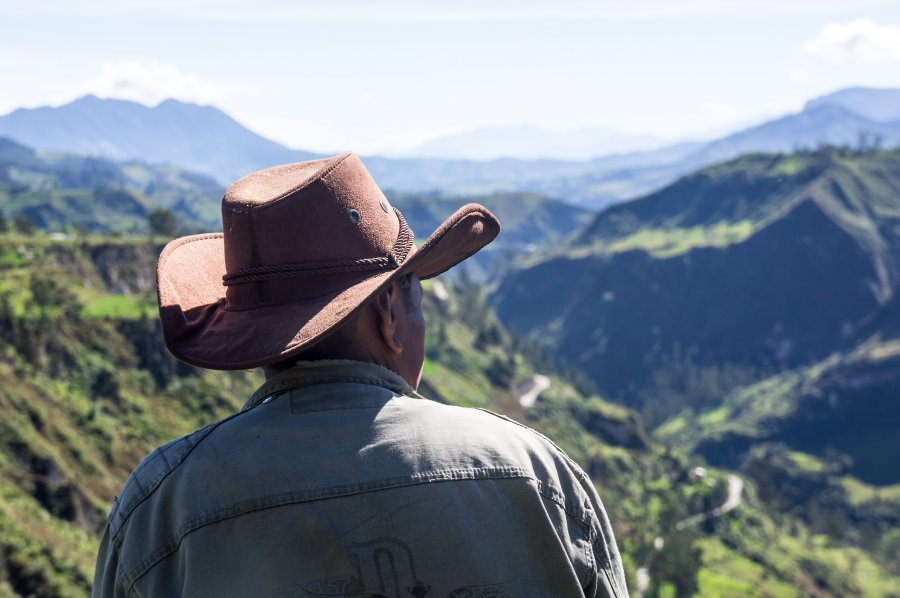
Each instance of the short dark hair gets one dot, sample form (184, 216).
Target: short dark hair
(405, 284)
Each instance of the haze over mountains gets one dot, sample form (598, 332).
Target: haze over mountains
(531, 142)
(204, 139)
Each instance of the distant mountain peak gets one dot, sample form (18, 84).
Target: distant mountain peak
(93, 100)
(880, 104)
(196, 137)
(173, 103)
(176, 102)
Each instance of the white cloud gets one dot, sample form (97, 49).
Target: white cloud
(151, 82)
(860, 40)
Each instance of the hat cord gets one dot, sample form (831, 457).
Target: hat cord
(393, 260)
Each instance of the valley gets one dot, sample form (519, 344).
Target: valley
(90, 389)
(720, 354)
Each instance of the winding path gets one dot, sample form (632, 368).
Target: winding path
(734, 499)
(539, 383)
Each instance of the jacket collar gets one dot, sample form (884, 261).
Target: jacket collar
(308, 373)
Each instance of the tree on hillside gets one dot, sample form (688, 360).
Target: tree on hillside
(48, 292)
(44, 291)
(472, 306)
(24, 224)
(4, 223)
(163, 222)
(105, 385)
(867, 141)
(674, 565)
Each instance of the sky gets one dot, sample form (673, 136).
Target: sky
(381, 77)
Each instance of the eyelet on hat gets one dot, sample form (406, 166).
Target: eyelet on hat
(385, 206)
(354, 216)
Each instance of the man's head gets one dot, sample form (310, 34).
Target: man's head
(388, 331)
(307, 248)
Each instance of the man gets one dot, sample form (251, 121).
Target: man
(337, 478)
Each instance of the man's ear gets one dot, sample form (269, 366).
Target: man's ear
(387, 306)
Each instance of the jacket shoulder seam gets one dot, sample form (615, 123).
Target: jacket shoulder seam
(126, 503)
(449, 475)
(569, 461)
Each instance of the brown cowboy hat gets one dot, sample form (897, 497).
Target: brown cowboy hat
(304, 247)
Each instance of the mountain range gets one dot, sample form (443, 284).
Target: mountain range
(531, 142)
(764, 262)
(60, 192)
(197, 138)
(206, 140)
(749, 312)
(880, 105)
(69, 193)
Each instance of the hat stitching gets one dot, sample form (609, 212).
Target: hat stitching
(435, 238)
(406, 238)
(190, 239)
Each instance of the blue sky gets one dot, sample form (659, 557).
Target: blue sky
(382, 76)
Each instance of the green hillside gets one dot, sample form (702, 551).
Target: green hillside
(527, 218)
(530, 222)
(749, 311)
(88, 389)
(71, 193)
(819, 441)
(848, 403)
(766, 262)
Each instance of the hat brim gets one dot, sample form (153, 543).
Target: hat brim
(200, 329)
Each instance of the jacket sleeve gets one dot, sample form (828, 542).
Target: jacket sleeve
(105, 578)
(609, 574)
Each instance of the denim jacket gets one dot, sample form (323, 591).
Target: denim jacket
(338, 479)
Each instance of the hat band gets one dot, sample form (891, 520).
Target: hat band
(393, 260)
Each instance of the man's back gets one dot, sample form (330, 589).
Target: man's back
(333, 482)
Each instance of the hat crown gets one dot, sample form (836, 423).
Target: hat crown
(306, 212)
(303, 215)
